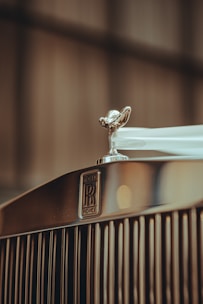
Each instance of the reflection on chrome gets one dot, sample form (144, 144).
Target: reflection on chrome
(124, 197)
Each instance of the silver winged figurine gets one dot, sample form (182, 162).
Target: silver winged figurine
(112, 122)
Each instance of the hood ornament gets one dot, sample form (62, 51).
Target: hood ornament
(112, 122)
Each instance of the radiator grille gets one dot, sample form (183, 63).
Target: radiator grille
(144, 259)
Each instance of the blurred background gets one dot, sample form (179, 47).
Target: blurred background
(65, 63)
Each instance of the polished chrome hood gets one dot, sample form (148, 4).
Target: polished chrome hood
(107, 191)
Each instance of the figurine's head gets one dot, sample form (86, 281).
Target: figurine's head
(115, 119)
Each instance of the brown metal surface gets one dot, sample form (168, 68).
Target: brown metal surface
(125, 188)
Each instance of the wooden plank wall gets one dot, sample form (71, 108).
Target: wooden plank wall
(66, 63)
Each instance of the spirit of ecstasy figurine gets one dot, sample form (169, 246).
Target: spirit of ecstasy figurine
(113, 121)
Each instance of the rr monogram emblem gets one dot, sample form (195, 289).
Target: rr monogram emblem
(89, 204)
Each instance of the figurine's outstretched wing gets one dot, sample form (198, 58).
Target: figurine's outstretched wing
(115, 119)
(123, 117)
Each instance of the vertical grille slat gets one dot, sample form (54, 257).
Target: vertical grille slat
(158, 259)
(151, 261)
(63, 255)
(185, 258)
(50, 258)
(22, 270)
(54, 269)
(27, 269)
(120, 263)
(111, 263)
(31, 288)
(17, 270)
(135, 260)
(97, 269)
(75, 266)
(193, 254)
(66, 266)
(43, 270)
(175, 258)
(6, 283)
(201, 255)
(39, 259)
(88, 272)
(11, 271)
(2, 265)
(105, 264)
(142, 266)
(126, 260)
(78, 265)
(168, 259)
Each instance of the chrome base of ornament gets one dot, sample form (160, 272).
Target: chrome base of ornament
(112, 158)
